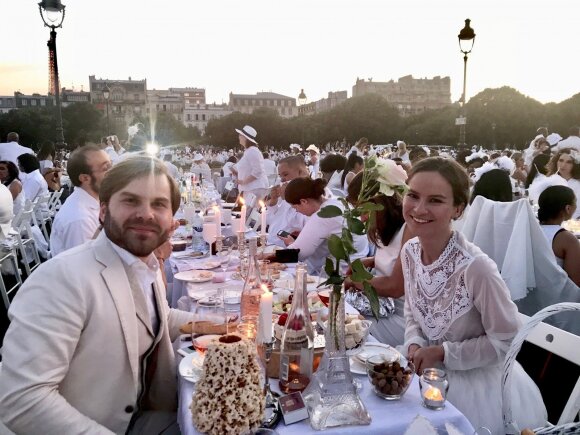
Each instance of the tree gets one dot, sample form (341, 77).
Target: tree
(82, 123)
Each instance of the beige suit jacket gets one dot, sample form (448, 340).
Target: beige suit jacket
(71, 355)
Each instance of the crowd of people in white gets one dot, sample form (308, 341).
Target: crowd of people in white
(444, 302)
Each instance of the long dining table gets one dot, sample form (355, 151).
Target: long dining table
(388, 417)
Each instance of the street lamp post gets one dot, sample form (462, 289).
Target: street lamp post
(52, 14)
(302, 100)
(106, 94)
(493, 135)
(466, 40)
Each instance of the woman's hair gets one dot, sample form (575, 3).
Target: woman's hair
(388, 220)
(332, 162)
(538, 167)
(553, 200)
(28, 162)
(516, 156)
(553, 163)
(449, 169)
(494, 185)
(460, 157)
(13, 172)
(304, 188)
(46, 150)
(232, 159)
(351, 162)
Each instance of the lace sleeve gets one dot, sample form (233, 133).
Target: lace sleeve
(499, 319)
(413, 332)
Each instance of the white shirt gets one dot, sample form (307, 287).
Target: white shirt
(113, 155)
(252, 163)
(312, 240)
(34, 185)
(11, 150)
(144, 274)
(227, 168)
(282, 217)
(270, 167)
(570, 142)
(172, 169)
(75, 223)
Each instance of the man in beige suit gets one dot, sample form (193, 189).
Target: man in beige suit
(89, 345)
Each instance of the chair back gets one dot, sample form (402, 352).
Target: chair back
(554, 340)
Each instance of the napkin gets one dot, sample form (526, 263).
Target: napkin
(420, 426)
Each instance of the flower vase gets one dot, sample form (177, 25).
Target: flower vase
(331, 396)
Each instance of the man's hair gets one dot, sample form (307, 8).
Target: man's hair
(28, 162)
(77, 163)
(12, 137)
(133, 168)
(296, 161)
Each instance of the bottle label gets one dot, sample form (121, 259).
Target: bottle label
(284, 367)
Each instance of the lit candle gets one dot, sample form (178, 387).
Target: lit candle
(218, 220)
(243, 215)
(263, 216)
(265, 320)
(434, 394)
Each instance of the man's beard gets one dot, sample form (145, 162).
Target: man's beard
(138, 245)
(94, 186)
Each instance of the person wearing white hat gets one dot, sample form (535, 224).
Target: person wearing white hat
(402, 152)
(295, 148)
(250, 169)
(314, 166)
(572, 141)
(200, 168)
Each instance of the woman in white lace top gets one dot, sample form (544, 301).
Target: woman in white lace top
(458, 311)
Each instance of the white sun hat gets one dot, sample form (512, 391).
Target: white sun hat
(249, 133)
(314, 148)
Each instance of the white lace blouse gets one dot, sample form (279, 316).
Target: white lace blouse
(460, 302)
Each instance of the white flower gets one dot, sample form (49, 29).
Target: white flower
(389, 176)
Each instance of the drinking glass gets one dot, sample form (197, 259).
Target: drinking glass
(210, 319)
(209, 232)
(224, 256)
(232, 297)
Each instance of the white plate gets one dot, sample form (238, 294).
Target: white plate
(208, 265)
(197, 294)
(188, 254)
(194, 276)
(190, 367)
(357, 363)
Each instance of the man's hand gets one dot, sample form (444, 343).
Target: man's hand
(274, 196)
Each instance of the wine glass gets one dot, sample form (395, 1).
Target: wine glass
(209, 232)
(210, 321)
(224, 256)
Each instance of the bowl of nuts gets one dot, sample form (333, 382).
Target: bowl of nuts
(390, 377)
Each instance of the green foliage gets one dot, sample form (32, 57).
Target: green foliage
(330, 211)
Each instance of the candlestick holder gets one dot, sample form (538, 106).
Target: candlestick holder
(272, 412)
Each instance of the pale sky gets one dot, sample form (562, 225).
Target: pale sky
(282, 46)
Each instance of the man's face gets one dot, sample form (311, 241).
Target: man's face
(100, 163)
(139, 217)
(287, 172)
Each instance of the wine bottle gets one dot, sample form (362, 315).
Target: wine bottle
(297, 345)
(252, 291)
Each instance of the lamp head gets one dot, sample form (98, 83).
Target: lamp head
(106, 92)
(52, 13)
(302, 99)
(466, 38)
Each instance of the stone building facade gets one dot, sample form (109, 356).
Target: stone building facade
(408, 95)
(245, 103)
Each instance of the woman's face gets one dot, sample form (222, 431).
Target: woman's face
(307, 206)
(565, 165)
(519, 163)
(358, 167)
(242, 139)
(428, 205)
(3, 172)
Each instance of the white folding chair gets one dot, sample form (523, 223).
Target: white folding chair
(40, 215)
(553, 340)
(54, 203)
(25, 237)
(9, 257)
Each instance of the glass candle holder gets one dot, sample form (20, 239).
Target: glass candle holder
(247, 330)
(434, 385)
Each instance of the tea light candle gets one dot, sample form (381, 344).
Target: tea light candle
(265, 321)
(218, 220)
(263, 217)
(434, 385)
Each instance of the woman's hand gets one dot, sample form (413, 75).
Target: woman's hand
(288, 240)
(426, 357)
(349, 284)
(411, 351)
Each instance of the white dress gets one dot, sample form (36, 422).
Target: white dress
(550, 232)
(460, 302)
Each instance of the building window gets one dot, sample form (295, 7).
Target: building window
(188, 117)
(283, 111)
(165, 107)
(203, 117)
(24, 102)
(186, 94)
(137, 97)
(33, 102)
(196, 117)
(186, 101)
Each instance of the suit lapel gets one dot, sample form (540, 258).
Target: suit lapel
(119, 288)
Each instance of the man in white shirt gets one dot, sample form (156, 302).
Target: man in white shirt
(95, 322)
(270, 168)
(572, 141)
(12, 149)
(281, 215)
(314, 166)
(78, 219)
(171, 168)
